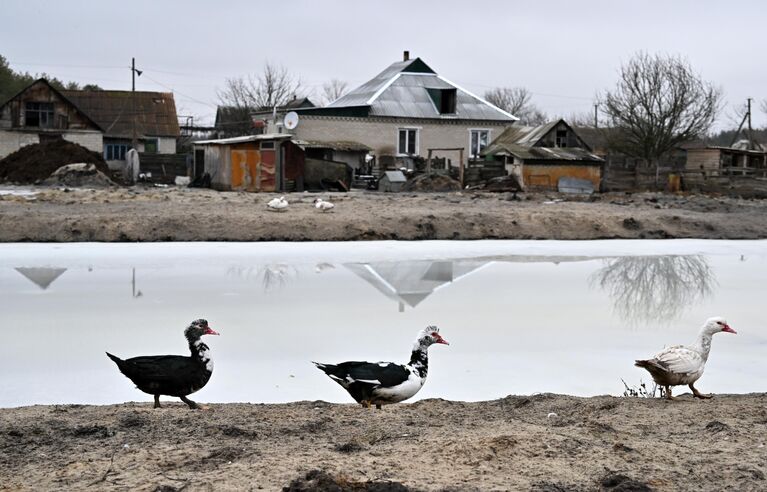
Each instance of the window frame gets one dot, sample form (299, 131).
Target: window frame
(416, 143)
(478, 131)
(557, 141)
(115, 151)
(50, 114)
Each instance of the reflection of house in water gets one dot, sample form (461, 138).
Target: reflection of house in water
(43, 277)
(410, 282)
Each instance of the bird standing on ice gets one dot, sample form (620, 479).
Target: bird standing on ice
(277, 204)
(380, 383)
(322, 205)
(684, 364)
(173, 375)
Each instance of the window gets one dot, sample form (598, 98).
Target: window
(561, 138)
(479, 140)
(267, 145)
(408, 141)
(115, 151)
(38, 114)
(444, 100)
(150, 146)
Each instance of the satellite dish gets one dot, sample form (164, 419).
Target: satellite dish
(291, 120)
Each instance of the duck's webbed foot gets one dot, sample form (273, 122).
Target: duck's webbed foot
(698, 394)
(192, 405)
(365, 403)
(157, 401)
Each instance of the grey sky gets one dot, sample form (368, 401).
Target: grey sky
(562, 51)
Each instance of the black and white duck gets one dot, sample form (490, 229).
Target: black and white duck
(173, 375)
(381, 383)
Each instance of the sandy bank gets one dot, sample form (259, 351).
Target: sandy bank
(543, 442)
(152, 214)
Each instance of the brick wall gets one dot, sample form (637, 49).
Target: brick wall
(381, 134)
(10, 142)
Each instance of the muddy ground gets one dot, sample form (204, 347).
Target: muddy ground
(185, 214)
(541, 443)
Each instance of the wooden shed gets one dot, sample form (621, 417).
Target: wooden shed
(266, 163)
(539, 157)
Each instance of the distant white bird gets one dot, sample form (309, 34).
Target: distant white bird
(684, 364)
(322, 205)
(277, 204)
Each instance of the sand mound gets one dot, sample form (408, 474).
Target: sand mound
(34, 163)
(432, 182)
(79, 175)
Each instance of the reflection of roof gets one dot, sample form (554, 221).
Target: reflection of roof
(413, 281)
(43, 277)
(155, 112)
(402, 90)
(340, 145)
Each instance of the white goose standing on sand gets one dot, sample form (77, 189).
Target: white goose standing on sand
(322, 205)
(277, 204)
(380, 383)
(684, 364)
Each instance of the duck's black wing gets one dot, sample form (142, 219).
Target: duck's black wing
(173, 375)
(385, 374)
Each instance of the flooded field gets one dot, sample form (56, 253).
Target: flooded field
(521, 317)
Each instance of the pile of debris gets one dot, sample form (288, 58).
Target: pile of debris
(501, 184)
(79, 175)
(33, 163)
(432, 182)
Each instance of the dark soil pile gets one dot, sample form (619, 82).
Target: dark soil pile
(432, 182)
(34, 163)
(320, 481)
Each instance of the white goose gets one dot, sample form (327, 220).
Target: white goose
(322, 205)
(684, 364)
(277, 204)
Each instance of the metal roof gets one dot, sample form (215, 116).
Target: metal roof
(521, 142)
(244, 139)
(401, 90)
(340, 145)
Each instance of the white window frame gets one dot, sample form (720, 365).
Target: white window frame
(489, 132)
(407, 141)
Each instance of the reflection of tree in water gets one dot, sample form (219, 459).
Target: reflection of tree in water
(654, 288)
(272, 277)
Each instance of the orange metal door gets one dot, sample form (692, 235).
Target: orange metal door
(245, 169)
(266, 180)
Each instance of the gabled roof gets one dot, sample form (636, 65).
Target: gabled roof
(402, 90)
(60, 94)
(523, 142)
(155, 112)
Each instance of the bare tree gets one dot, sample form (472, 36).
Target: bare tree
(274, 86)
(332, 90)
(659, 103)
(517, 101)
(654, 289)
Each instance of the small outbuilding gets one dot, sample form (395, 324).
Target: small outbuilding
(392, 181)
(267, 163)
(539, 157)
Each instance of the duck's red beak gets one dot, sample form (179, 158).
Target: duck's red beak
(210, 331)
(439, 339)
(728, 329)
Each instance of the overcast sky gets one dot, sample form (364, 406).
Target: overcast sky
(563, 51)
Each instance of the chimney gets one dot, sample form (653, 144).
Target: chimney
(405, 55)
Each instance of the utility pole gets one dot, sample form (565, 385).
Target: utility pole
(596, 117)
(134, 72)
